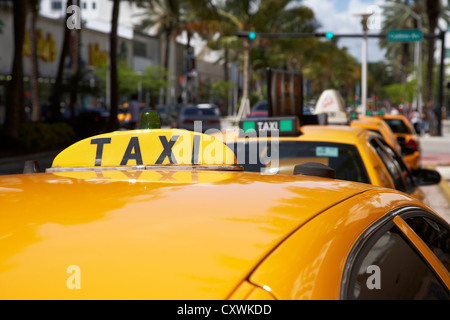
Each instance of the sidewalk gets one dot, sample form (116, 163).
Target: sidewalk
(439, 195)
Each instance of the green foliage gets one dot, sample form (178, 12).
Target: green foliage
(152, 79)
(36, 136)
(398, 93)
(221, 88)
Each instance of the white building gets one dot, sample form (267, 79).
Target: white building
(96, 15)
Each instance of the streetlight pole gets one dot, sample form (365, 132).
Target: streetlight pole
(418, 62)
(365, 17)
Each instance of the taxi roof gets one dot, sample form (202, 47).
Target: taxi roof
(134, 229)
(330, 133)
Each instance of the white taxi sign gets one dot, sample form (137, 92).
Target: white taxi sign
(141, 148)
(331, 103)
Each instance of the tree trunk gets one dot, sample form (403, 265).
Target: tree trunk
(15, 112)
(55, 113)
(75, 67)
(404, 63)
(433, 8)
(114, 93)
(244, 100)
(166, 63)
(35, 95)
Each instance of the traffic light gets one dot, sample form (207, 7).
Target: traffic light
(252, 35)
(329, 35)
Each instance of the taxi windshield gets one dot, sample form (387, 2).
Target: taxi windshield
(398, 126)
(281, 157)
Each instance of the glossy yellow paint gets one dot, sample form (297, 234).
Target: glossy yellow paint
(144, 239)
(306, 272)
(378, 125)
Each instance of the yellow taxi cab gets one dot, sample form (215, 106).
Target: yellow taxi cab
(356, 154)
(407, 138)
(377, 125)
(169, 214)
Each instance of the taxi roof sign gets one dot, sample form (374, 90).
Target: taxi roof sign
(286, 126)
(143, 148)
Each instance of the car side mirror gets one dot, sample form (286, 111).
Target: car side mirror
(427, 177)
(406, 151)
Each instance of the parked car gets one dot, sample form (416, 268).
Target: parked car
(87, 121)
(261, 110)
(407, 138)
(207, 117)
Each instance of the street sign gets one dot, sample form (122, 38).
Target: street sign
(410, 35)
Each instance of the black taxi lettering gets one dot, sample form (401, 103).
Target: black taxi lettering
(130, 155)
(167, 151)
(99, 153)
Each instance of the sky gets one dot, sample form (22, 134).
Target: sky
(338, 16)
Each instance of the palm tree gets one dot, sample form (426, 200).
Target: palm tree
(434, 11)
(398, 16)
(15, 112)
(171, 18)
(264, 16)
(55, 99)
(164, 15)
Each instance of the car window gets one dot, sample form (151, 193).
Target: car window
(391, 165)
(376, 131)
(388, 268)
(343, 158)
(260, 106)
(411, 185)
(398, 126)
(435, 235)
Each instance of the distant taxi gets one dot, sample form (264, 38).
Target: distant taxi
(356, 154)
(407, 138)
(170, 214)
(379, 126)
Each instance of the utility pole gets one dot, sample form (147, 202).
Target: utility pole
(365, 17)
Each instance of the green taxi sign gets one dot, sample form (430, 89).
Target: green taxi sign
(286, 126)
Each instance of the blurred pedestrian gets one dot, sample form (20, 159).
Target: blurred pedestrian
(394, 111)
(134, 111)
(431, 124)
(415, 120)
